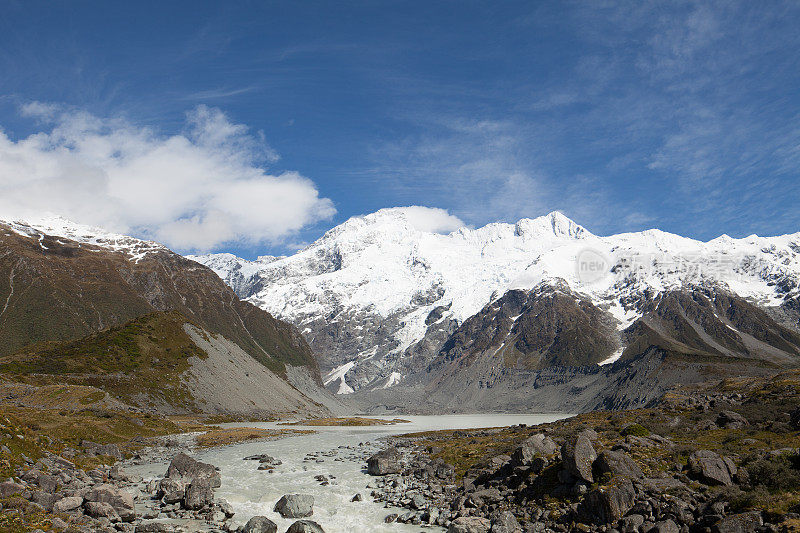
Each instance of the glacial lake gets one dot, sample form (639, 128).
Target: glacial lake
(252, 492)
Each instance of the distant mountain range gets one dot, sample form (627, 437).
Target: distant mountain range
(155, 329)
(537, 314)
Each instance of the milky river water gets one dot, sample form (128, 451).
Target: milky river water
(253, 492)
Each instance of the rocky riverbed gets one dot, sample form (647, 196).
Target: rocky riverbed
(710, 461)
(723, 458)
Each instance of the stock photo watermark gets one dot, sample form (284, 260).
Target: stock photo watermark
(593, 265)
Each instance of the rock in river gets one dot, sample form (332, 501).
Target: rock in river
(295, 506)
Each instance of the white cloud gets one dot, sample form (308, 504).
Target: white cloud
(430, 219)
(193, 191)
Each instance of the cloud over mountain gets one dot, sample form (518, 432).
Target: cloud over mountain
(208, 185)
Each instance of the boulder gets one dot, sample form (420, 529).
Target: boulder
(101, 510)
(120, 500)
(664, 526)
(630, 523)
(605, 505)
(305, 526)
(505, 522)
(469, 524)
(260, 524)
(47, 482)
(7, 488)
(45, 499)
(186, 469)
(536, 445)
(295, 506)
(70, 503)
(578, 455)
(616, 463)
(384, 462)
(709, 468)
(738, 523)
(731, 420)
(170, 490)
(198, 494)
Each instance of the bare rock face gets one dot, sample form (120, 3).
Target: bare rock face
(711, 469)
(384, 462)
(184, 468)
(578, 455)
(260, 524)
(295, 506)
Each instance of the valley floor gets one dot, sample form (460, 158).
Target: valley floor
(720, 457)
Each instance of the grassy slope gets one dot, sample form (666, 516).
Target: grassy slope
(59, 290)
(144, 357)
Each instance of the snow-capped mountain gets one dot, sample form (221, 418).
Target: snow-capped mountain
(57, 226)
(377, 298)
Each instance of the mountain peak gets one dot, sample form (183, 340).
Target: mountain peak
(554, 222)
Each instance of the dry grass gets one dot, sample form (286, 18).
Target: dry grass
(225, 437)
(346, 421)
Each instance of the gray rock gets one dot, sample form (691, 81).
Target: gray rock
(170, 490)
(260, 524)
(578, 455)
(120, 500)
(384, 462)
(101, 510)
(708, 467)
(738, 523)
(630, 523)
(295, 506)
(7, 488)
(731, 420)
(45, 499)
(156, 527)
(616, 463)
(536, 445)
(357, 498)
(505, 522)
(605, 505)
(70, 503)
(664, 526)
(47, 483)
(469, 524)
(184, 468)
(198, 494)
(305, 526)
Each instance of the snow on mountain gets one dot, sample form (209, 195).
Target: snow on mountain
(58, 226)
(372, 287)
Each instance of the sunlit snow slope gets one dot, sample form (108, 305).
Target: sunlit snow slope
(371, 288)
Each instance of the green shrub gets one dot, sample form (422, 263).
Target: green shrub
(635, 430)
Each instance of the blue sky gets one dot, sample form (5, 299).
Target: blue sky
(282, 119)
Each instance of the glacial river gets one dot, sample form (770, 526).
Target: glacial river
(253, 492)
